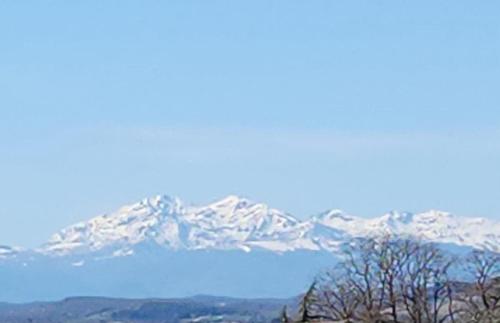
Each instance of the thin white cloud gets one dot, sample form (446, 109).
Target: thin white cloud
(212, 144)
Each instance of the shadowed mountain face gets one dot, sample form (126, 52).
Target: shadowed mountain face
(161, 247)
(153, 272)
(105, 310)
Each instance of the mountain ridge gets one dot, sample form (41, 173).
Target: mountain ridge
(237, 223)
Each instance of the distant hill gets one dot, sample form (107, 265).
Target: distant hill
(201, 309)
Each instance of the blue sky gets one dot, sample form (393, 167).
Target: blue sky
(366, 106)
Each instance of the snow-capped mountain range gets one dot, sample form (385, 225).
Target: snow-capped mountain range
(162, 247)
(236, 223)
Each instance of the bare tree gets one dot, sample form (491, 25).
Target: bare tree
(362, 267)
(388, 280)
(284, 316)
(424, 284)
(355, 290)
(482, 304)
(307, 301)
(337, 300)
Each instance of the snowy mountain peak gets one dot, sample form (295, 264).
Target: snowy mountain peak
(163, 202)
(232, 200)
(397, 216)
(231, 204)
(334, 215)
(238, 223)
(436, 216)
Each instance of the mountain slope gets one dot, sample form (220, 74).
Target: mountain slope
(235, 223)
(434, 226)
(231, 223)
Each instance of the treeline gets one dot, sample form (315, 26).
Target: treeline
(397, 280)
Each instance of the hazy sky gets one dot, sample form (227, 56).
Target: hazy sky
(366, 106)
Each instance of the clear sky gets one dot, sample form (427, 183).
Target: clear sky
(366, 106)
